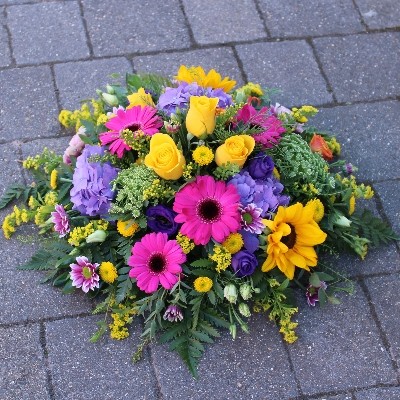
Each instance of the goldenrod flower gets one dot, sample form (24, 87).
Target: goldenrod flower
(203, 284)
(294, 233)
(53, 179)
(108, 272)
(127, 228)
(352, 205)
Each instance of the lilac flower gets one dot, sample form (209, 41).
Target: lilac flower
(161, 219)
(261, 166)
(84, 275)
(244, 263)
(251, 218)
(178, 98)
(60, 219)
(312, 293)
(91, 193)
(173, 314)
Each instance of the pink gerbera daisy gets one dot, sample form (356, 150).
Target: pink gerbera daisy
(271, 125)
(208, 209)
(84, 275)
(136, 119)
(155, 260)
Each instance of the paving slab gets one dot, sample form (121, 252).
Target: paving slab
(338, 397)
(34, 300)
(9, 155)
(311, 18)
(5, 56)
(254, 366)
(385, 297)
(389, 194)
(221, 59)
(333, 354)
(19, 119)
(22, 371)
(380, 14)
(369, 137)
(101, 370)
(113, 32)
(379, 394)
(48, 31)
(361, 67)
(205, 17)
(288, 66)
(77, 81)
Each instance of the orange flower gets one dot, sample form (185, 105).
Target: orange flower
(319, 145)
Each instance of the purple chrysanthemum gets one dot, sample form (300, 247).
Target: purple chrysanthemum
(91, 192)
(60, 220)
(251, 219)
(84, 275)
(178, 98)
(173, 313)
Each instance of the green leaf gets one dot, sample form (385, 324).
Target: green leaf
(202, 336)
(203, 272)
(100, 332)
(211, 297)
(123, 288)
(322, 297)
(314, 280)
(202, 263)
(13, 192)
(325, 277)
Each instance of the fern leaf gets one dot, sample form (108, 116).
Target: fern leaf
(13, 192)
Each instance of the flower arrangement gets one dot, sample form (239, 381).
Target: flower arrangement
(193, 205)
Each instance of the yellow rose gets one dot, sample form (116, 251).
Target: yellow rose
(164, 157)
(141, 98)
(200, 119)
(236, 149)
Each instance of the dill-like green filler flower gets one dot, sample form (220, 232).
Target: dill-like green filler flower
(299, 167)
(131, 183)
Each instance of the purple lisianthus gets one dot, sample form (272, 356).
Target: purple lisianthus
(260, 166)
(251, 242)
(60, 219)
(312, 293)
(244, 263)
(161, 219)
(178, 98)
(91, 192)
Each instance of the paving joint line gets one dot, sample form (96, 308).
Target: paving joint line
(158, 386)
(56, 90)
(9, 38)
(29, 322)
(262, 17)
(293, 370)
(188, 25)
(382, 333)
(86, 29)
(204, 47)
(23, 3)
(240, 64)
(363, 23)
(328, 84)
(49, 378)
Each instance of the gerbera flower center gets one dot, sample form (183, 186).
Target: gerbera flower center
(157, 263)
(209, 210)
(290, 240)
(133, 127)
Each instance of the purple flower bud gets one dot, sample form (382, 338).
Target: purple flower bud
(173, 314)
(161, 219)
(244, 263)
(312, 293)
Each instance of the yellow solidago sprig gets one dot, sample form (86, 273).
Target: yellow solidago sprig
(222, 257)
(122, 316)
(14, 219)
(48, 160)
(80, 233)
(137, 140)
(53, 179)
(301, 114)
(89, 111)
(203, 155)
(185, 243)
(159, 190)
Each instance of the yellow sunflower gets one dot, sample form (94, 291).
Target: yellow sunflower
(294, 233)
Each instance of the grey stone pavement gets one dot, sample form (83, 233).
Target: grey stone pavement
(340, 55)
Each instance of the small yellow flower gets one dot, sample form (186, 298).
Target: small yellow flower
(276, 173)
(233, 243)
(203, 284)
(203, 155)
(352, 205)
(53, 179)
(127, 228)
(186, 244)
(319, 210)
(222, 257)
(108, 272)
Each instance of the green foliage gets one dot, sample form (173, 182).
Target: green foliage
(14, 192)
(153, 83)
(226, 171)
(124, 285)
(372, 228)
